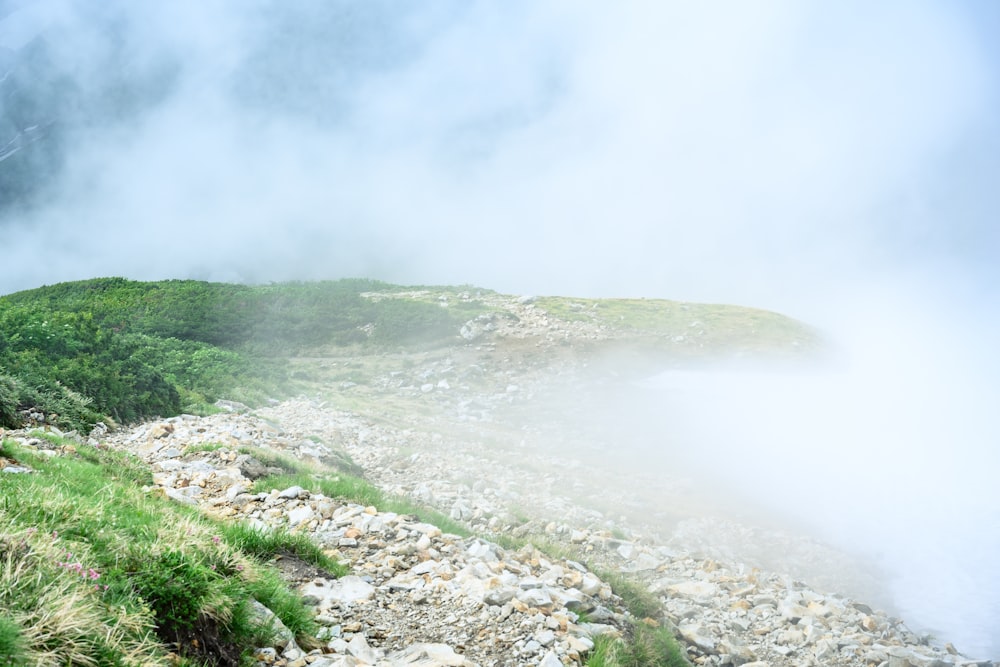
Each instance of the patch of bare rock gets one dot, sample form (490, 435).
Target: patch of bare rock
(418, 596)
(415, 595)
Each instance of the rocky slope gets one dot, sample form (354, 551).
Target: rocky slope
(493, 432)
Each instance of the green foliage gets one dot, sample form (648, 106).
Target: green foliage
(266, 544)
(133, 350)
(271, 591)
(646, 647)
(9, 399)
(605, 651)
(653, 646)
(637, 598)
(360, 491)
(174, 585)
(67, 365)
(93, 570)
(11, 643)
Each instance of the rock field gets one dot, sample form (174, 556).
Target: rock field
(441, 431)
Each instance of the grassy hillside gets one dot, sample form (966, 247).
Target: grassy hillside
(118, 350)
(95, 570)
(138, 576)
(84, 351)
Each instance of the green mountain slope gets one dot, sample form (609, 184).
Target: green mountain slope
(112, 349)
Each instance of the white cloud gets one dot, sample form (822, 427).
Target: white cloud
(806, 157)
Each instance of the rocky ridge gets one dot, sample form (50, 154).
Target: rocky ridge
(437, 429)
(417, 595)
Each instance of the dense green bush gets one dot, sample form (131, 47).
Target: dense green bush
(9, 399)
(67, 365)
(130, 350)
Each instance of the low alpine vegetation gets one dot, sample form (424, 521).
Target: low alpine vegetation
(645, 647)
(362, 492)
(115, 349)
(95, 570)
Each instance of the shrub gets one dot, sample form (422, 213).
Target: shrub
(9, 399)
(11, 643)
(175, 586)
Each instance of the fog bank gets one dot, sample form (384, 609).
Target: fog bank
(834, 161)
(888, 452)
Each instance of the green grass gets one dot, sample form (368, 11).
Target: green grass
(360, 491)
(344, 487)
(266, 544)
(639, 601)
(11, 642)
(604, 653)
(273, 459)
(95, 571)
(206, 447)
(720, 328)
(645, 647)
(271, 591)
(107, 348)
(646, 644)
(111, 348)
(180, 575)
(268, 457)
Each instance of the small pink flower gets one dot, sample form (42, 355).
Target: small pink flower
(215, 538)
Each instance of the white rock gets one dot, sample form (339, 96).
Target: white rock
(428, 655)
(535, 597)
(345, 590)
(359, 648)
(695, 634)
(695, 590)
(550, 660)
(299, 514)
(545, 637)
(180, 496)
(590, 584)
(293, 492)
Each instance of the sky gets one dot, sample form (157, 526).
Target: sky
(727, 152)
(836, 161)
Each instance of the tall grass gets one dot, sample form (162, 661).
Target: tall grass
(95, 571)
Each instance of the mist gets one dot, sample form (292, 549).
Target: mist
(836, 162)
(887, 451)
